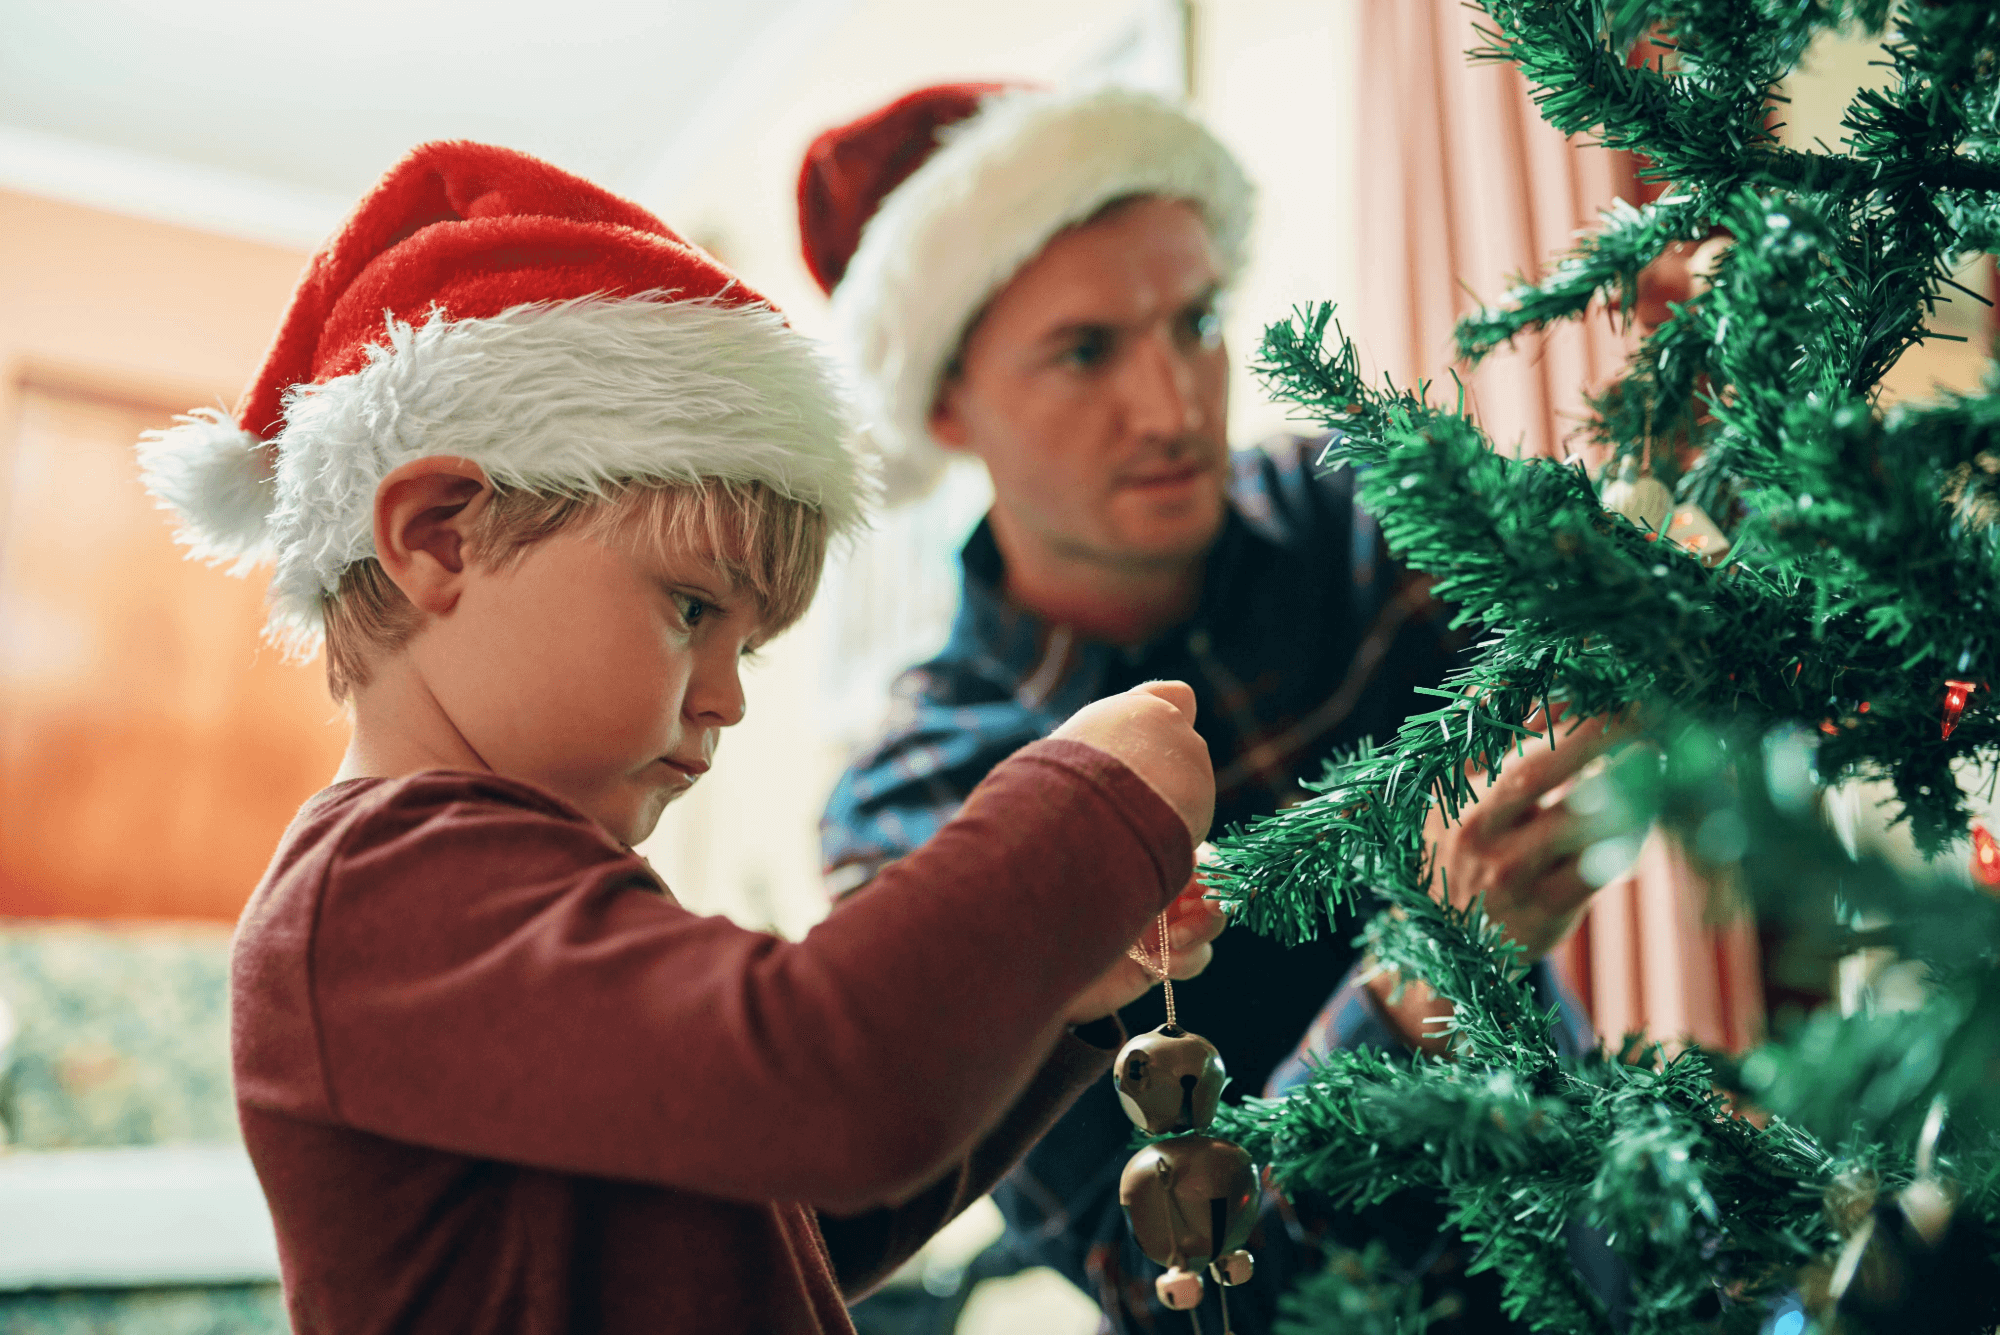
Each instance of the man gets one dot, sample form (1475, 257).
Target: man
(1031, 279)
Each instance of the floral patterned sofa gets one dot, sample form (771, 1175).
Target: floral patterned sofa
(121, 1169)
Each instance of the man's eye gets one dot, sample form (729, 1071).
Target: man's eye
(1202, 325)
(1088, 350)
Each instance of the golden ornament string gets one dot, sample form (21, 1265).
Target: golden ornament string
(1163, 970)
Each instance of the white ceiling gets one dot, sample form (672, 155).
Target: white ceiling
(266, 118)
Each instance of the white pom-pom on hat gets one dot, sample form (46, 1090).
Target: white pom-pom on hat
(218, 479)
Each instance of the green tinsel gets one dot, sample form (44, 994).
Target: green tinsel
(1864, 573)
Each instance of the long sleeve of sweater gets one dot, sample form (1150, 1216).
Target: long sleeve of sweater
(463, 962)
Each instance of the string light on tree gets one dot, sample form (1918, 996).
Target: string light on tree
(1985, 856)
(1956, 693)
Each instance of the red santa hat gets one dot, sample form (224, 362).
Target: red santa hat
(916, 214)
(482, 303)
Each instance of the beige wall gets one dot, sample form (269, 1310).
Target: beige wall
(162, 310)
(1819, 92)
(150, 752)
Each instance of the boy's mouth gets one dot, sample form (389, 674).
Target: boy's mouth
(694, 769)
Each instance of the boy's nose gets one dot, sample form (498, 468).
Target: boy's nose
(715, 698)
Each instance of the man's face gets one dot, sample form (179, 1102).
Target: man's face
(1095, 388)
(597, 668)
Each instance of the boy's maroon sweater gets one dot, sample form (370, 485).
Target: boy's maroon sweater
(494, 1078)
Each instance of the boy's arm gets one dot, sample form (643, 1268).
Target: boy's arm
(496, 980)
(867, 1248)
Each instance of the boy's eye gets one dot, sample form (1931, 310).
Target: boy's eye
(693, 610)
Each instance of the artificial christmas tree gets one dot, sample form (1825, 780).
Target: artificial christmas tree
(1821, 605)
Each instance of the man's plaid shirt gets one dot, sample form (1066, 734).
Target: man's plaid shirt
(1308, 638)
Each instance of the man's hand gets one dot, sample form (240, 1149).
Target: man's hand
(1151, 729)
(1192, 923)
(1517, 844)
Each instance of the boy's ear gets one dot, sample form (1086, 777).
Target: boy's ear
(424, 513)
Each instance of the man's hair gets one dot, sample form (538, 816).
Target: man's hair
(768, 545)
(954, 365)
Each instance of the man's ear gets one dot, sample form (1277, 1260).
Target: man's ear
(947, 422)
(424, 513)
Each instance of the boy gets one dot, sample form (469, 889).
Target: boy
(539, 474)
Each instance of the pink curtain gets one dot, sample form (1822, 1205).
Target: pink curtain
(1463, 189)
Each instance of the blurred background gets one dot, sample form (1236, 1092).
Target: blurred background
(166, 167)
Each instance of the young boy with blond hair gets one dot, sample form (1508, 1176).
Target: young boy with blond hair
(539, 474)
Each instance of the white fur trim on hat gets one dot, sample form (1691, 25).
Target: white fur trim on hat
(1002, 183)
(566, 397)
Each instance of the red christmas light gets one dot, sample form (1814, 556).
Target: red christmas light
(1955, 693)
(1985, 857)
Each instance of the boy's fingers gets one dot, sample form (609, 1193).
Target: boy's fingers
(1176, 693)
(1191, 962)
(1193, 931)
(1192, 902)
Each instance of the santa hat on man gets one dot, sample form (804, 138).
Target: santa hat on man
(915, 215)
(484, 304)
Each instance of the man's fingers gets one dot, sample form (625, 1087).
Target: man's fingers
(1194, 903)
(1536, 852)
(1563, 887)
(1545, 836)
(1537, 767)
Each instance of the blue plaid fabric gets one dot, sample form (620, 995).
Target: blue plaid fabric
(1352, 1019)
(1308, 638)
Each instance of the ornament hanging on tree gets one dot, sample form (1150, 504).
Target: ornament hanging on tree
(1909, 1263)
(1693, 529)
(1169, 1080)
(1641, 498)
(1190, 1199)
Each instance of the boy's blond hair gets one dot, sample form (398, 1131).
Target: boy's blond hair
(769, 545)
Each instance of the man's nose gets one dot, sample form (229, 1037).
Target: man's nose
(1161, 398)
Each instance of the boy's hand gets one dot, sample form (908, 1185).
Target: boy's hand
(1192, 923)
(1150, 728)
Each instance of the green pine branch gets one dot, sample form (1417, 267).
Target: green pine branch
(1864, 574)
